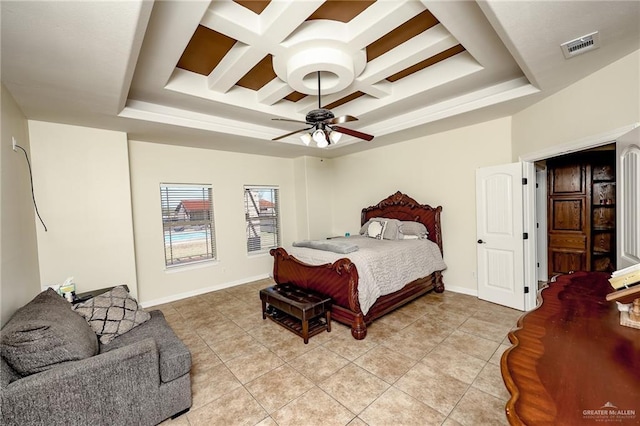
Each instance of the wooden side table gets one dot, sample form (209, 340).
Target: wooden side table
(82, 297)
(300, 311)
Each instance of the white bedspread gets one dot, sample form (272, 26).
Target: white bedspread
(384, 266)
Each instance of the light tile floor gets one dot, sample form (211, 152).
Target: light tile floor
(435, 361)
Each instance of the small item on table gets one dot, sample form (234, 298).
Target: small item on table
(627, 284)
(634, 313)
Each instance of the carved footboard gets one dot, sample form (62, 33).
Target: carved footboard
(339, 280)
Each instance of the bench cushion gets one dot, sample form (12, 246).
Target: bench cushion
(298, 299)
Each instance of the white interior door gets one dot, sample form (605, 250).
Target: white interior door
(500, 246)
(628, 198)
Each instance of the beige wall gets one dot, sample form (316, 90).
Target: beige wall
(319, 203)
(435, 170)
(152, 164)
(81, 176)
(301, 196)
(602, 102)
(19, 274)
(319, 197)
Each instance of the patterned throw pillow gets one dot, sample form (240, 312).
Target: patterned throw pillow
(391, 228)
(376, 229)
(112, 313)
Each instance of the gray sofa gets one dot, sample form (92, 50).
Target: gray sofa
(56, 372)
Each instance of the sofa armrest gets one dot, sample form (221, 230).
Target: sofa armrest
(117, 387)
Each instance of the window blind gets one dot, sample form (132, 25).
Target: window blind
(261, 207)
(187, 222)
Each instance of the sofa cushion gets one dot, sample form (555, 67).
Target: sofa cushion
(175, 358)
(112, 314)
(7, 374)
(44, 333)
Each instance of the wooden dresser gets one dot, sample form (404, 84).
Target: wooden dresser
(571, 362)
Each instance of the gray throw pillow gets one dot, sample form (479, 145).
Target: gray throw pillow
(413, 228)
(112, 313)
(44, 333)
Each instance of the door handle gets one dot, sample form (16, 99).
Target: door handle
(482, 242)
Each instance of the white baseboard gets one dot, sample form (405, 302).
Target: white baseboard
(180, 296)
(463, 290)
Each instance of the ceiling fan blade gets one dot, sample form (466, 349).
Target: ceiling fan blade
(287, 119)
(342, 119)
(352, 132)
(289, 134)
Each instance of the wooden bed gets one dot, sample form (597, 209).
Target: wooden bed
(339, 280)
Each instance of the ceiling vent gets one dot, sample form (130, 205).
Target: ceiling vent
(581, 45)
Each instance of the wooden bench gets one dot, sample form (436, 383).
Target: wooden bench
(303, 312)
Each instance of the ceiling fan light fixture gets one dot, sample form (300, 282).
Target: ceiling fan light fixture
(323, 143)
(335, 137)
(325, 124)
(306, 138)
(320, 138)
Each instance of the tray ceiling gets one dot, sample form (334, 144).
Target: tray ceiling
(214, 74)
(392, 64)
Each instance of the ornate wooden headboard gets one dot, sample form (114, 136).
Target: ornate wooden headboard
(402, 207)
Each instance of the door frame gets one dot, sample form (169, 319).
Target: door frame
(626, 205)
(542, 272)
(529, 196)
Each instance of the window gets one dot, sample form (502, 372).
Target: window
(263, 218)
(187, 222)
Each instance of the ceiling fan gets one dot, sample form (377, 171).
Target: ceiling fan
(323, 124)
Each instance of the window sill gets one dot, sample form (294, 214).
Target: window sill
(190, 266)
(258, 254)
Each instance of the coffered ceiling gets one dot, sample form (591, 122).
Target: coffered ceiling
(215, 74)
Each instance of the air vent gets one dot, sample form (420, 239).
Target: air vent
(581, 45)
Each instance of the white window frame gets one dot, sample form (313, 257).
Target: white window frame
(261, 221)
(188, 226)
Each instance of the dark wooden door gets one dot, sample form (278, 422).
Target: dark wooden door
(568, 218)
(581, 212)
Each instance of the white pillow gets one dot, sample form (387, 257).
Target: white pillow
(376, 229)
(410, 237)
